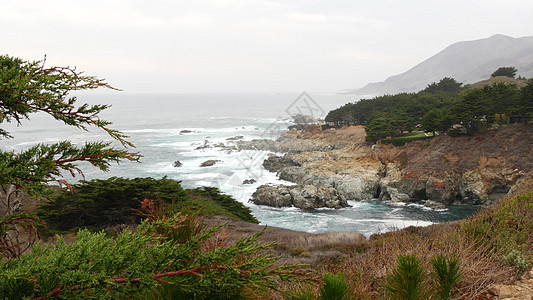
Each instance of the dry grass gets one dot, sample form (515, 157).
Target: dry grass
(323, 240)
(496, 230)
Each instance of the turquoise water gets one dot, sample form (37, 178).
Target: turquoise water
(156, 124)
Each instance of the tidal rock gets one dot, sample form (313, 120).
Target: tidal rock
(239, 137)
(275, 163)
(177, 164)
(186, 131)
(287, 145)
(275, 196)
(361, 185)
(205, 145)
(306, 197)
(434, 204)
(209, 163)
(249, 181)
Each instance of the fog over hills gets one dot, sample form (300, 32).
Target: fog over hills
(467, 62)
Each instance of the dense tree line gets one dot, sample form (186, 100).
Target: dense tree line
(443, 107)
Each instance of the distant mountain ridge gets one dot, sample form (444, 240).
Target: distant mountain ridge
(467, 62)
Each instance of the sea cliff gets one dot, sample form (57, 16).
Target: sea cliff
(340, 164)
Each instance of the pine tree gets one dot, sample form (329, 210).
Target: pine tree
(27, 88)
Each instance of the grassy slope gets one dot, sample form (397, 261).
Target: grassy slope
(484, 244)
(211, 203)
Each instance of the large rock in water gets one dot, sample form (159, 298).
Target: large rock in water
(302, 196)
(209, 163)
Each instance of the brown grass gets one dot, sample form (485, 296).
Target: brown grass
(481, 253)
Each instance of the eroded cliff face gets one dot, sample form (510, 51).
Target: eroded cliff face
(464, 170)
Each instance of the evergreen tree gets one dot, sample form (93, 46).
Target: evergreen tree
(31, 87)
(505, 71)
(446, 84)
(526, 102)
(437, 120)
(475, 111)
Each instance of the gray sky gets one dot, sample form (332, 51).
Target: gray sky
(249, 45)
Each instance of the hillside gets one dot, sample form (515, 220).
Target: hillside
(468, 62)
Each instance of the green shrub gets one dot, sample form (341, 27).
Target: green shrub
(228, 204)
(518, 260)
(400, 141)
(99, 203)
(170, 255)
(454, 132)
(335, 287)
(407, 280)
(446, 273)
(505, 227)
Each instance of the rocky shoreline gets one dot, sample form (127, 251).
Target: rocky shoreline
(333, 166)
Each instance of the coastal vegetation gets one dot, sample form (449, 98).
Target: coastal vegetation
(111, 202)
(460, 260)
(171, 255)
(441, 108)
(31, 87)
(505, 71)
(169, 251)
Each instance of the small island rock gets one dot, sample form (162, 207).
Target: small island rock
(209, 163)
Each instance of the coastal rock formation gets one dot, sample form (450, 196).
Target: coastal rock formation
(235, 138)
(474, 170)
(306, 197)
(209, 162)
(177, 164)
(284, 146)
(294, 142)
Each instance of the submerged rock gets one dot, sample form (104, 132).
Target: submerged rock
(238, 137)
(177, 164)
(210, 162)
(434, 204)
(205, 145)
(249, 181)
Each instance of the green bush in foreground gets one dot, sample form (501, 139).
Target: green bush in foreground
(407, 280)
(446, 273)
(335, 288)
(100, 203)
(157, 261)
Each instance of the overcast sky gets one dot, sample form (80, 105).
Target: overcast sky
(249, 45)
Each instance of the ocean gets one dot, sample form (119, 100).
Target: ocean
(166, 128)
